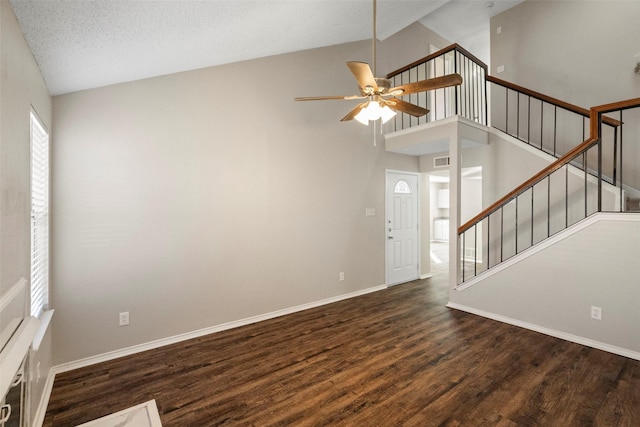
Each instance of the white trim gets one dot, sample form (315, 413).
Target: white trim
(40, 204)
(143, 414)
(45, 320)
(14, 352)
(426, 276)
(6, 299)
(567, 232)
(547, 331)
(81, 363)
(41, 410)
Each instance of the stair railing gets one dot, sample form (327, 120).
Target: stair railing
(543, 122)
(468, 100)
(567, 191)
(555, 198)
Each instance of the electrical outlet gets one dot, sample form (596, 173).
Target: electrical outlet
(124, 318)
(596, 312)
(500, 68)
(341, 277)
(38, 374)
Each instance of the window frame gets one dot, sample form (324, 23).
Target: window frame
(39, 181)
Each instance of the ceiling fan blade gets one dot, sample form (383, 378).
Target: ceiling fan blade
(363, 74)
(353, 112)
(406, 107)
(323, 98)
(429, 84)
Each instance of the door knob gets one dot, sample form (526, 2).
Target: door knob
(390, 237)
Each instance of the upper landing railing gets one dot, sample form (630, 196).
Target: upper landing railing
(545, 123)
(468, 100)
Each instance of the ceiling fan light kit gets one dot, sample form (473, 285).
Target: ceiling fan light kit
(374, 111)
(381, 101)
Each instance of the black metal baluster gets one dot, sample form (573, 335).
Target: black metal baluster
(506, 125)
(542, 125)
(488, 241)
(486, 100)
(502, 233)
(529, 121)
(516, 225)
(555, 128)
(472, 106)
(549, 205)
(532, 187)
(615, 154)
(518, 115)
(444, 90)
(621, 180)
(462, 253)
(475, 250)
(586, 193)
(566, 196)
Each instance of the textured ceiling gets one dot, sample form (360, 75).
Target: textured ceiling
(82, 44)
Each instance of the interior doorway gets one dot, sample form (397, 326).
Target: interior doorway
(441, 219)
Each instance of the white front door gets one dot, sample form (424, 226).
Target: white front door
(401, 225)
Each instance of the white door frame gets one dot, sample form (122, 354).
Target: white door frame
(386, 218)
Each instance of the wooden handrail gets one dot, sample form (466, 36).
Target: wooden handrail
(530, 182)
(593, 139)
(565, 105)
(427, 58)
(618, 105)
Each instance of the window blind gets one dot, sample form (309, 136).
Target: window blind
(39, 217)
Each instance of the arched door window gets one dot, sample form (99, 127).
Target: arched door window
(402, 187)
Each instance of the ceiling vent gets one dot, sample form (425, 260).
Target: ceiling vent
(441, 162)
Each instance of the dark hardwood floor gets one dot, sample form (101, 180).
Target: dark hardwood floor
(397, 357)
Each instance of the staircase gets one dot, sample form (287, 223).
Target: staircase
(594, 171)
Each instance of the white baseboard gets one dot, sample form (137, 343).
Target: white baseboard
(547, 331)
(425, 276)
(206, 331)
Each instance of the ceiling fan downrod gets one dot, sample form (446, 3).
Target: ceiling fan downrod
(374, 37)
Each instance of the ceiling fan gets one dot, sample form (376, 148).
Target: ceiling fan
(381, 98)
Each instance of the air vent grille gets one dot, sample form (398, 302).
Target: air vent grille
(441, 162)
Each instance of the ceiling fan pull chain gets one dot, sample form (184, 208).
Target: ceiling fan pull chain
(375, 132)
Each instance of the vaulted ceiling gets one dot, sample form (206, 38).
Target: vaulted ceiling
(82, 44)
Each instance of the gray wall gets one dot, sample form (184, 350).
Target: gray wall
(582, 52)
(394, 55)
(22, 87)
(209, 196)
(554, 289)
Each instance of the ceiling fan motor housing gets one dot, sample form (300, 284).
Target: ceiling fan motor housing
(383, 84)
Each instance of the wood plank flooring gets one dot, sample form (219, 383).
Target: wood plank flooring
(397, 357)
